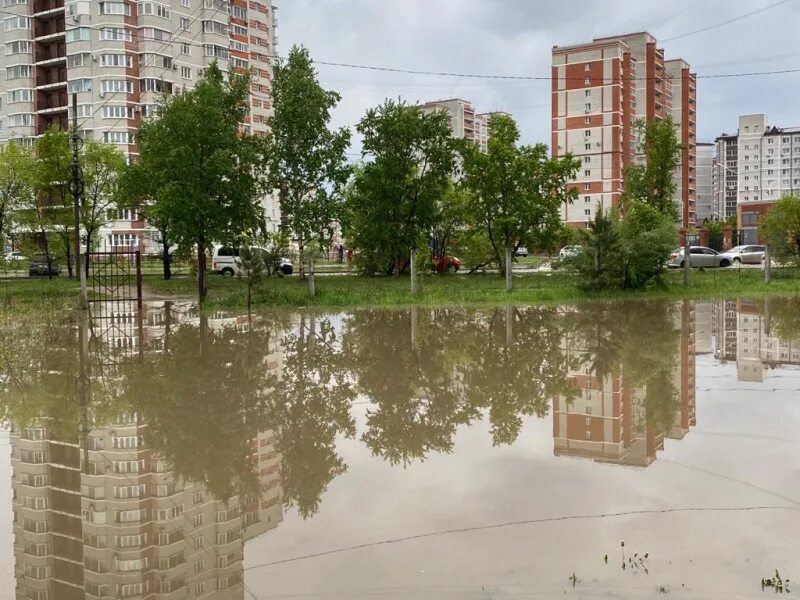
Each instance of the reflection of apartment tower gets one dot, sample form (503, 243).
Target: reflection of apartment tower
(110, 519)
(684, 374)
(758, 348)
(598, 90)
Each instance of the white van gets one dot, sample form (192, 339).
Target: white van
(225, 261)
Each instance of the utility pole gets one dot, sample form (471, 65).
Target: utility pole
(76, 189)
(767, 264)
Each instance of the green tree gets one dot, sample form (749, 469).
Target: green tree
(517, 190)
(647, 237)
(600, 263)
(652, 182)
(53, 205)
(200, 168)
(392, 203)
(781, 228)
(306, 160)
(451, 220)
(16, 191)
(101, 166)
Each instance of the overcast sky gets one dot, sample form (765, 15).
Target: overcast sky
(515, 37)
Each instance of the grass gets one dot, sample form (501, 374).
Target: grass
(456, 290)
(434, 290)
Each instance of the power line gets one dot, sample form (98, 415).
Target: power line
(728, 22)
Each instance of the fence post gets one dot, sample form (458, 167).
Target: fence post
(139, 279)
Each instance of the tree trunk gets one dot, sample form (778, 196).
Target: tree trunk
(301, 257)
(249, 295)
(68, 252)
(201, 270)
(413, 256)
(165, 258)
(508, 268)
(312, 288)
(86, 258)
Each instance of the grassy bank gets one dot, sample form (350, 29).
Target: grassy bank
(442, 290)
(435, 290)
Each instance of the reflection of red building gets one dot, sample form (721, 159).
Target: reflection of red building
(607, 420)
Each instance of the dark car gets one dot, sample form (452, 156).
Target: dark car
(39, 266)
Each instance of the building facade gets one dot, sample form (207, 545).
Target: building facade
(119, 57)
(706, 208)
(727, 164)
(764, 167)
(465, 122)
(599, 90)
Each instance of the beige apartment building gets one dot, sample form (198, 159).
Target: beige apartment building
(599, 90)
(119, 57)
(465, 122)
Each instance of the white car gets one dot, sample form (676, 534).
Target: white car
(225, 261)
(521, 251)
(15, 256)
(570, 251)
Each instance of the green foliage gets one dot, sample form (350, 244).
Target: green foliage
(647, 237)
(16, 185)
(600, 264)
(715, 234)
(517, 191)
(653, 182)
(306, 160)
(199, 168)
(392, 202)
(781, 228)
(101, 166)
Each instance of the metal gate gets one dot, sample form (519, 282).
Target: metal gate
(115, 277)
(115, 286)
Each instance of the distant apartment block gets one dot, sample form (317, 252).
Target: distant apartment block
(119, 57)
(706, 208)
(599, 90)
(465, 122)
(761, 164)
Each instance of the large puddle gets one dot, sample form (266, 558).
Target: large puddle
(600, 450)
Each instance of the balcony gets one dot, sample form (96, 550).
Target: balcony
(52, 100)
(51, 52)
(51, 76)
(46, 28)
(44, 6)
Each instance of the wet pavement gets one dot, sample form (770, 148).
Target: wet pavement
(601, 450)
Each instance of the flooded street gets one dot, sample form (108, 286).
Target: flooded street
(602, 450)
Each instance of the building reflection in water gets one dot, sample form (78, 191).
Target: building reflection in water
(608, 419)
(101, 514)
(758, 335)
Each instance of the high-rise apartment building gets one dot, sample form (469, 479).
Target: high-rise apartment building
(727, 161)
(761, 165)
(706, 204)
(465, 122)
(599, 90)
(119, 57)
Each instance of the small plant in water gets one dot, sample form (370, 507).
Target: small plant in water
(781, 586)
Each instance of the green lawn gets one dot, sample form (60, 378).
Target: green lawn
(441, 290)
(435, 290)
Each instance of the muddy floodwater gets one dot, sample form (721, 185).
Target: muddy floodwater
(637, 449)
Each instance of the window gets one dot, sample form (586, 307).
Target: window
(115, 8)
(155, 85)
(13, 96)
(587, 199)
(587, 211)
(151, 33)
(587, 186)
(21, 47)
(20, 120)
(125, 466)
(79, 34)
(199, 542)
(587, 159)
(186, 49)
(184, 23)
(587, 67)
(14, 23)
(186, 72)
(115, 34)
(587, 173)
(587, 80)
(588, 106)
(239, 30)
(197, 520)
(199, 588)
(215, 51)
(238, 12)
(131, 516)
(185, 3)
(116, 60)
(117, 85)
(130, 491)
(162, 11)
(79, 60)
(239, 63)
(198, 566)
(197, 497)
(587, 146)
(587, 133)
(18, 72)
(749, 218)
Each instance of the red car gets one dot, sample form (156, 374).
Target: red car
(446, 264)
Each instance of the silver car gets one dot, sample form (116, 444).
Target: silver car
(700, 257)
(744, 255)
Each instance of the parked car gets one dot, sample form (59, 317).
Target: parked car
(521, 251)
(15, 256)
(747, 255)
(39, 266)
(446, 263)
(700, 257)
(225, 261)
(569, 252)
